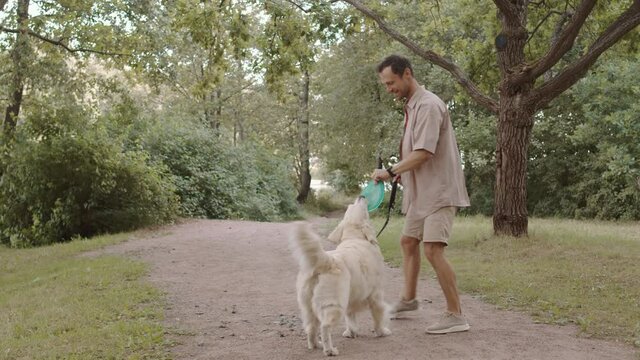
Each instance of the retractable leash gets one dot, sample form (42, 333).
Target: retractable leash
(392, 199)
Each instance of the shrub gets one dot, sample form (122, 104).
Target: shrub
(77, 182)
(217, 180)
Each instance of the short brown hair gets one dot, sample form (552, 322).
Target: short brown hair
(398, 64)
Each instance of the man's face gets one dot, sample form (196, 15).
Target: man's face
(396, 84)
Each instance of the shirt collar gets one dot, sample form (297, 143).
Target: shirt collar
(411, 103)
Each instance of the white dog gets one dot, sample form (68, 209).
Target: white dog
(339, 283)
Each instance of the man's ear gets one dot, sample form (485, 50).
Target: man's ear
(407, 73)
(370, 233)
(336, 234)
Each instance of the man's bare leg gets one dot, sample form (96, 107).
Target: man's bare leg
(410, 265)
(434, 252)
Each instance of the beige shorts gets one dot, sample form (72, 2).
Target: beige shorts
(434, 228)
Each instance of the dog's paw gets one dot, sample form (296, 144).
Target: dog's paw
(331, 352)
(349, 333)
(383, 332)
(312, 344)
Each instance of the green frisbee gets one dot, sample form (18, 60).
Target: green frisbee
(374, 193)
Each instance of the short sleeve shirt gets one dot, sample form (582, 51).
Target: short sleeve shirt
(438, 182)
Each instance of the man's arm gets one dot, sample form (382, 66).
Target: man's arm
(411, 162)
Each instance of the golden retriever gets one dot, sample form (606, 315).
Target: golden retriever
(338, 284)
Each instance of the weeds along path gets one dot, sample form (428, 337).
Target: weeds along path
(230, 289)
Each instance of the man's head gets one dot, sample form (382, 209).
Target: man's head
(396, 75)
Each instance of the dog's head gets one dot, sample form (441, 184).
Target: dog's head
(355, 224)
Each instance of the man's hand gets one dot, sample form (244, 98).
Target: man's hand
(380, 175)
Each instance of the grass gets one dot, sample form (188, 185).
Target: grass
(566, 271)
(55, 304)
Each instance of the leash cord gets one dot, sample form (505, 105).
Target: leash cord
(392, 199)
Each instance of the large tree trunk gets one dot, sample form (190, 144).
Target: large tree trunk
(514, 131)
(515, 120)
(303, 142)
(18, 53)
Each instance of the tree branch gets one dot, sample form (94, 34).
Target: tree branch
(575, 71)
(543, 21)
(306, 11)
(248, 85)
(61, 44)
(563, 44)
(473, 91)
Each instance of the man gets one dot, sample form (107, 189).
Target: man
(433, 182)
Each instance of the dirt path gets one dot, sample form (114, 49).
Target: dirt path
(231, 295)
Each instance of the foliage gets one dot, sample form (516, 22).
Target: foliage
(476, 133)
(324, 201)
(356, 123)
(585, 158)
(66, 177)
(215, 180)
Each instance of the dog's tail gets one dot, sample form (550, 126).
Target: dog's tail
(307, 248)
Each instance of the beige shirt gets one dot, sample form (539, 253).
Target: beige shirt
(438, 182)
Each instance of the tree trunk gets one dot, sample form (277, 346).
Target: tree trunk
(238, 129)
(18, 53)
(213, 108)
(512, 146)
(218, 118)
(303, 142)
(515, 120)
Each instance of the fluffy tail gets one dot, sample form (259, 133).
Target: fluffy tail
(307, 248)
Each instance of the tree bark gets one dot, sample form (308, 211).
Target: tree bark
(512, 146)
(218, 118)
(303, 142)
(18, 54)
(515, 120)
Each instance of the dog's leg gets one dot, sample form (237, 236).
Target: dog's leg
(312, 334)
(380, 315)
(327, 343)
(352, 330)
(329, 319)
(310, 323)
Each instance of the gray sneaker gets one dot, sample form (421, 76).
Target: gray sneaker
(449, 323)
(404, 305)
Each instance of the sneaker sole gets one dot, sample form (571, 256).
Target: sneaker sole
(457, 328)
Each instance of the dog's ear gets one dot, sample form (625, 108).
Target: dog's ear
(336, 234)
(370, 233)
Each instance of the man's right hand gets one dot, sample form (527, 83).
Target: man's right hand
(380, 175)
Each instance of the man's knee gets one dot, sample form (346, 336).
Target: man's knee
(433, 250)
(410, 244)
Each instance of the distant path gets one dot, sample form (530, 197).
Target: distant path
(231, 295)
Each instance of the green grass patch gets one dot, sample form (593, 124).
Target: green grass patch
(55, 304)
(566, 271)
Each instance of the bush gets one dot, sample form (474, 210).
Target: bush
(324, 201)
(219, 181)
(74, 182)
